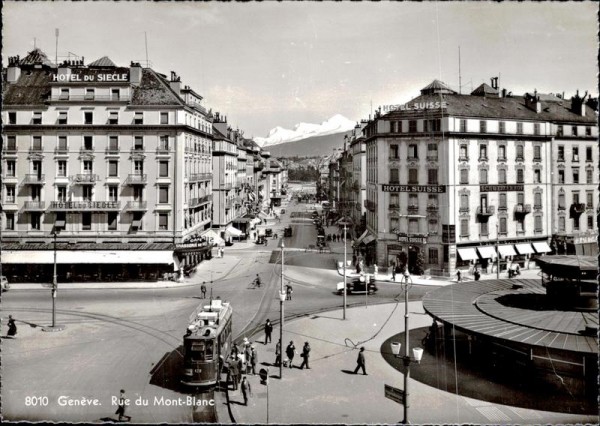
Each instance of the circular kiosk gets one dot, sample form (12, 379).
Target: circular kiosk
(512, 326)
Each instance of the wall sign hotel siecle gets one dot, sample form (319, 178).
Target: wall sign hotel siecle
(91, 77)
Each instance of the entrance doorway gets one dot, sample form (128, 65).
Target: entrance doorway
(413, 256)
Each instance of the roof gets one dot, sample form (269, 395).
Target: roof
(153, 90)
(103, 62)
(436, 86)
(484, 90)
(31, 88)
(36, 57)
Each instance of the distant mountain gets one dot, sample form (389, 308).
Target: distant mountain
(312, 146)
(336, 124)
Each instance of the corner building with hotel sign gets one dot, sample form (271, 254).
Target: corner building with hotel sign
(452, 176)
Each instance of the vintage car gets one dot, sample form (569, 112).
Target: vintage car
(362, 284)
(287, 231)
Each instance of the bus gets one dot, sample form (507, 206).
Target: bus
(207, 343)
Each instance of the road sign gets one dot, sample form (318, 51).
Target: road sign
(394, 394)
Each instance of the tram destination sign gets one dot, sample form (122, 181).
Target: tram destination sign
(500, 188)
(432, 189)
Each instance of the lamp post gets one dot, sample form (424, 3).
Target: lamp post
(497, 254)
(417, 352)
(281, 299)
(345, 259)
(54, 327)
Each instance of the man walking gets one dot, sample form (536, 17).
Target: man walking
(12, 327)
(246, 390)
(253, 360)
(268, 331)
(458, 277)
(122, 405)
(288, 292)
(278, 353)
(360, 362)
(203, 290)
(305, 354)
(233, 371)
(290, 351)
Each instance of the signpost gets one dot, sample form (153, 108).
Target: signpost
(395, 394)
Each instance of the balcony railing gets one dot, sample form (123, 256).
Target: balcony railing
(10, 148)
(35, 205)
(412, 158)
(61, 150)
(137, 150)
(463, 209)
(86, 150)
(95, 98)
(136, 179)
(485, 211)
(537, 207)
(432, 207)
(432, 157)
(463, 158)
(136, 205)
(85, 178)
(113, 151)
(413, 209)
(522, 209)
(162, 150)
(34, 179)
(370, 205)
(394, 206)
(36, 149)
(226, 186)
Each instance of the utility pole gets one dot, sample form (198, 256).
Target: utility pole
(281, 299)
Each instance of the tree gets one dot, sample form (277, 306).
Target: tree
(420, 263)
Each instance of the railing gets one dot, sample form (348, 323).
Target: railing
(483, 158)
(61, 150)
(560, 158)
(85, 178)
(136, 179)
(162, 150)
(226, 186)
(432, 207)
(95, 98)
(463, 158)
(411, 158)
(413, 209)
(432, 157)
(393, 157)
(36, 149)
(485, 211)
(10, 148)
(502, 158)
(136, 205)
(519, 158)
(463, 209)
(538, 159)
(537, 207)
(35, 205)
(200, 176)
(394, 206)
(137, 150)
(34, 179)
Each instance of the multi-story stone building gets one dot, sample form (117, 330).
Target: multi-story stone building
(451, 176)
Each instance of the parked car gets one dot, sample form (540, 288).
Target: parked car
(287, 231)
(268, 232)
(5, 284)
(358, 285)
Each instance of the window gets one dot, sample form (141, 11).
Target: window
(502, 228)
(37, 118)
(413, 152)
(501, 176)
(502, 201)
(88, 117)
(537, 200)
(483, 202)
(413, 200)
(164, 143)
(561, 153)
(399, 127)
(464, 227)
(575, 154)
(483, 176)
(138, 167)
(138, 117)
(10, 194)
(502, 127)
(482, 152)
(413, 176)
(537, 176)
(464, 202)
(576, 223)
(463, 153)
(163, 168)
(36, 193)
(113, 168)
(12, 117)
(574, 130)
(113, 193)
(86, 221)
(589, 176)
(432, 176)
(138, 193)
(537, 224)
(432, 151)
(113, 143)
(501, 152)
(482, 126)
(561, 224)
(89, 94)
(164, 118)
(561, 176)
(519, 128)
(561, 201)
(433, 226)
(62, 143)
(393, 223)
(138, 143)
(35, 221)
(520, 176)
(115, 94)
(519, 153)
(413, 226)
(394, 152)
(589, 198)
(392, 127)
(88, 193)
(62, 117)
(520, 225)
(520, 198)
(463, 125)
(61, 168)
(588, 131)
(575, 175)
(575, 196)
(412, 126)
(394, 201)
(464, 176)
(483, 229)
(537, 153)
(88, 166)
(559, 130)
(88, 143)
(36, 167)
(163, 194)
(111, 220)
(394, 177)
(163, 221)
(433, 255)
(536, 128)
(588, 153)
(64, 94)
(590, 222)
(37, 143)
(61, 194)
(10, 221)
(113, 117)
(11, 168)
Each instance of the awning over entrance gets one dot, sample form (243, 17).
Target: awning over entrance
(234, 232)
(524, 248)
(467, 253)
(87, 256)
(213, 237)
(365, 238)
(507, 250)
(542, 247)
(487, 252)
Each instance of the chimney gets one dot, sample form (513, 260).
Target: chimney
(14, 70)
(135, 74)
(533, 102)
(578, 103)
(503, 93)
(175, 83)
(494, 81)
(63, 70)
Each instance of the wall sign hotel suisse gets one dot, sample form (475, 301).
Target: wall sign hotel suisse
(437, 189)
(415, 106)
(500, 188)
(411, 239)
(124, 77)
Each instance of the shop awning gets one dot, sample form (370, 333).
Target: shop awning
(542, 247)
(369, 239)
(365, 238)
(524, 248)
(214, 238)
(487, 252)
(255, 221)
(233, 231)
(136, 224)
(507, 250)
(467, 254)
(87, 256)
(60, 223)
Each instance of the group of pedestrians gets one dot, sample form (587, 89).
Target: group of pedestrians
(335, 237)
(242, 363)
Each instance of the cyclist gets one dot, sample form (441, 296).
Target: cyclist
(257, 280)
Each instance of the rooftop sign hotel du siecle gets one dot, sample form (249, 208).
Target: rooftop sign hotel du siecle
(91, 77)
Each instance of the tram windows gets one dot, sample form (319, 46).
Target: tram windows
(209, 351)
(197, 351)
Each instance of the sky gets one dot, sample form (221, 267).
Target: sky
(278, 64)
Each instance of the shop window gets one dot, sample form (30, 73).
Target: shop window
(86, 221)
(10, 221)
(111, 220)
(433, 256)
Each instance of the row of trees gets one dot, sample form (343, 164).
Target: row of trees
(309, 174)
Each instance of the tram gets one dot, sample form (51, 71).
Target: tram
(207, 343)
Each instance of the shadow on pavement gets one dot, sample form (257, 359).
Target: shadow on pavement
(477, 377)
(348, 372)
(167, 372)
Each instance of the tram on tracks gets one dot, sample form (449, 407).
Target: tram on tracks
(207, 343)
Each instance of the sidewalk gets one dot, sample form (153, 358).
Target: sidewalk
(330, 393)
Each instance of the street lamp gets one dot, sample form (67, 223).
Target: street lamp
(54, 327)
(497, 254)
(417, 352)
(281, 299)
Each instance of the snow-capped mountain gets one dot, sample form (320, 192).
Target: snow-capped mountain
(336, 124)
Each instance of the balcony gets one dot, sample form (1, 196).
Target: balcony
(393, 157)
(463, 209)
(85, 179)
(485, 211)
(413, 209)
(432, 157)
(112, 151)
(463, 158)
(259, 165)
(522, 209)
(136, 179)
(137, 150)
(483, 158)
(225, 186)
(35, 205)
(432, 208)
(537, 207)
(86, 150)
(35, 149)
(12, 149)
(394, 206)
(86, 206)
(136, 206)
(163, 150)
(411, 158)
(537, 159)
(61, 150)
(560, 158)
(35, 179)
(576, 210)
